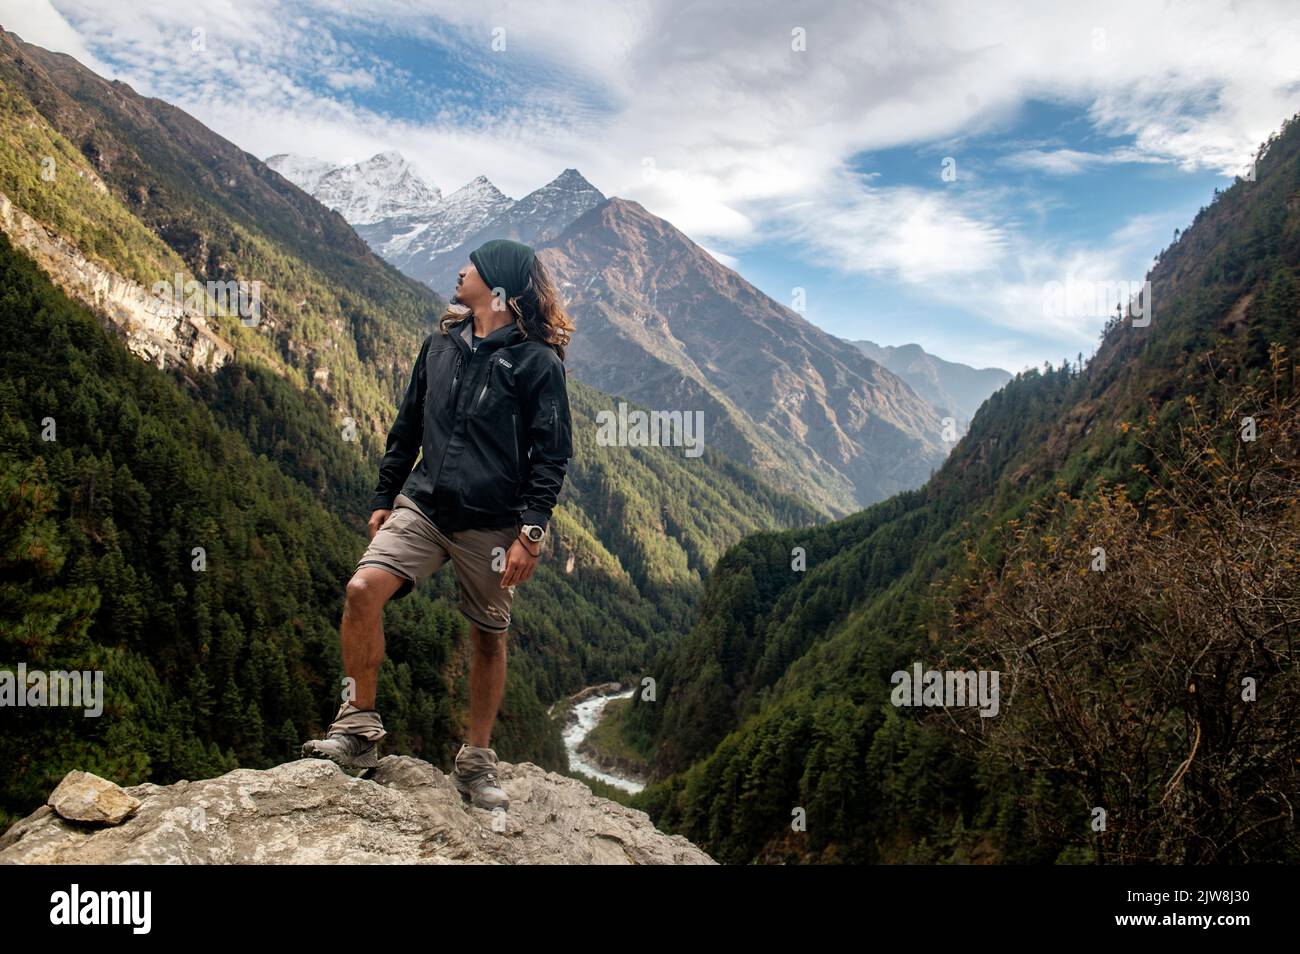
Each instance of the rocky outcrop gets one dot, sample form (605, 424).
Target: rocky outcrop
(88, 798)
(156, 329)
(311, 812)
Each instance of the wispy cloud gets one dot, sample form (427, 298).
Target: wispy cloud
(1068, 162)
(709, 115)
(901, 234)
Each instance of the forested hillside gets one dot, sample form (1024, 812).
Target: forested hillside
(207, 665)
(174, 193)
(1127, 695)
(239, 463)
(238, 663)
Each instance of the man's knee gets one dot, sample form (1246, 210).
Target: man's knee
(364, 597)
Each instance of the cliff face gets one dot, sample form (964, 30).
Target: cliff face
(155, 329)
(310, 812)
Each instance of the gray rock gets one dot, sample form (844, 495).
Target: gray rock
(83, 797)
(311, 812)
(155, 328)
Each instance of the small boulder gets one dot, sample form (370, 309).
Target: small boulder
(84, 797)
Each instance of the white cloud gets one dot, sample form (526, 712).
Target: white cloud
(37, 21)
(719, 100)
(1068, 162)
(749, 139)
(349, 79)
(1015, 295)
(907, 234)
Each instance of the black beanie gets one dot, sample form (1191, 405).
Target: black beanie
(503, 263)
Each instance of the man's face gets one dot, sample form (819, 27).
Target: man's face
(470, 288)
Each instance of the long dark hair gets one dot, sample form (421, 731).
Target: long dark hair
(538, 311)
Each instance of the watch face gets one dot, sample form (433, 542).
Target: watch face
(534, 533)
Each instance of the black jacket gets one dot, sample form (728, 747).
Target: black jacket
(492, 426)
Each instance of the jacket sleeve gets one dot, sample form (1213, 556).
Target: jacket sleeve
(404, 438)
(550, 431)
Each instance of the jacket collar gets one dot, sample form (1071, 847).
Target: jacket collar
(503, 336)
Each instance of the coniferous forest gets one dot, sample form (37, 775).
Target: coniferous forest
(1117, 537)
(1133, 674)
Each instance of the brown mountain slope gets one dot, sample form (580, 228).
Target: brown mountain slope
(341, 318)
(662, 322)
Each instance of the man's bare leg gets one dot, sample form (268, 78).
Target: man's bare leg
(362, 631)
(487, 680)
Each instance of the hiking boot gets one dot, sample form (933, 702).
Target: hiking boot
(350, 740)
(476, 778)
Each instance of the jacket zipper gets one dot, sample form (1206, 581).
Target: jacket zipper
(455, 377)
(487, 379)
(514, 444)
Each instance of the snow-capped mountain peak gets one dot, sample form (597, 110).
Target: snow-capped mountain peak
(410, 239)
(478, 190)
(382, 187)
(416, 228)
(544, 212)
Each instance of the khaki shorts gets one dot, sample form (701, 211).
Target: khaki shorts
(410, 546)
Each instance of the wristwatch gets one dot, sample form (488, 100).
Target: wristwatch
(534, 534)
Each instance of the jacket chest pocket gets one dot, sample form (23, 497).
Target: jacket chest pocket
(444, 368)
(496, 394)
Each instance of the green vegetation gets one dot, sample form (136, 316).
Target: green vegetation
(73, 199)
(240, 661)
(177, 197)
(206, 670)
(250, 464)
(779, 697)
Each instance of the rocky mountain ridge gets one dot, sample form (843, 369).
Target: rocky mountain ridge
(663, 323)
(418, 230)
(955, 389)
(311, 812)
(154, 328)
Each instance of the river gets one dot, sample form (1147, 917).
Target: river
(588, 713)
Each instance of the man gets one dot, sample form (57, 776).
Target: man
(488, 410)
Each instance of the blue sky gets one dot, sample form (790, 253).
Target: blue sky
(802, 144)
(1068, 201)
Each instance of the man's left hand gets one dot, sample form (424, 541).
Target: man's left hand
(519, 564)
